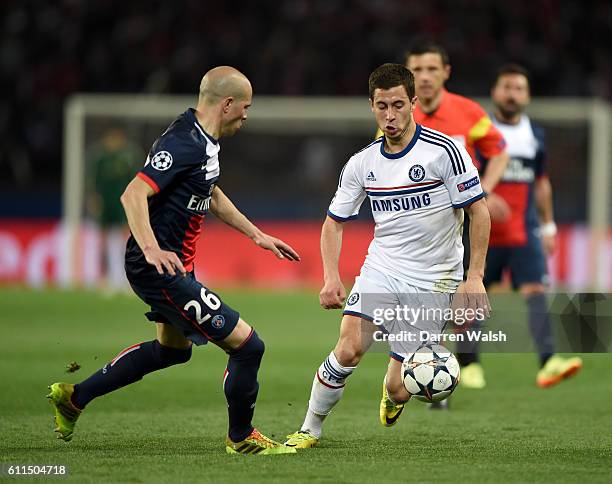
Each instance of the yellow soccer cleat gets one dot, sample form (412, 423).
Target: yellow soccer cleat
(558, 369)
(472, 376)
(257, 444)
(302, 439)
(66, 414)
(389, 411)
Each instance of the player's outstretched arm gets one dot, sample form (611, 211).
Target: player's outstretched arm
(333, 293)
(134, 201)
(472, 293)
(223, 208)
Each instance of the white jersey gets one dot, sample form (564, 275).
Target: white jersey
(415, 196)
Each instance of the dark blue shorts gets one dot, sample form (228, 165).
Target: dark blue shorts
(527, 263)
(186, 304)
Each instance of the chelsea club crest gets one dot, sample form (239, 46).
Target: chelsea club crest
(416, 173)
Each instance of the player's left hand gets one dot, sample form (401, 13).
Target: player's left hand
(471, 295)
(281, 249)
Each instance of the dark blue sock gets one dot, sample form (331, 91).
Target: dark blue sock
(466, 359)
(468, 351)
(129, 366)
(539, 324)
(240, 386)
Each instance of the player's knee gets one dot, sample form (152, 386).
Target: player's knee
(257, 347)
(241, 374)
(348, 354)
(168, 356)
(252, 349)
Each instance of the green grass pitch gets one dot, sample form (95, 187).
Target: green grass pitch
(170, 426)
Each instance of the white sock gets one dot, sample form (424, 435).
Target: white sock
(327, 389)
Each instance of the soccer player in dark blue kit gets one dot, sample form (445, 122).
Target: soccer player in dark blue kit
(165, 205)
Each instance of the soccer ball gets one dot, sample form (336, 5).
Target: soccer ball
(431, 373)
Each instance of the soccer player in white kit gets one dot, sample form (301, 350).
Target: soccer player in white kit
(419, 183)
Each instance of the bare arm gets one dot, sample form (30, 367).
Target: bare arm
(223, 208)
(543, 198)
(136, 206)
(496, 166)
(333, 293)
(544, 204)
(480, 226)
(471, 294)
(498, 208)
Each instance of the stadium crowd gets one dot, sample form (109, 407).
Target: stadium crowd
(49, 50)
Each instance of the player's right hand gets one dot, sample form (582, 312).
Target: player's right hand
(471, 301)
(332, 295)
(164, 261)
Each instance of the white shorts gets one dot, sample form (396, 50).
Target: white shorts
(406, 317)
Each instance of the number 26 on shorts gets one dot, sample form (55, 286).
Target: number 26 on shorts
(210, 300)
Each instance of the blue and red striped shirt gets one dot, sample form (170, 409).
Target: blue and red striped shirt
(182, 168)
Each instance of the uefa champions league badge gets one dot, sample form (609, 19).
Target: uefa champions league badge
(161, 161)
(218, 321)
(416, 173)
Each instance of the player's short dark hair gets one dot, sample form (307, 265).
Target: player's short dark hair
(427, 47)
(390, 75)
(512, 68)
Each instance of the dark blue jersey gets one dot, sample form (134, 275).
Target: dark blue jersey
(182, 167)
